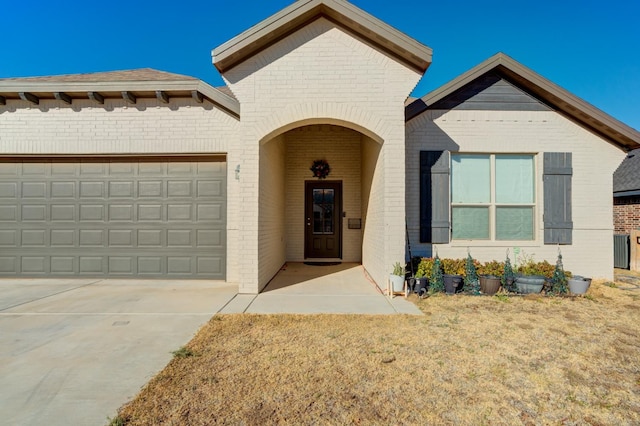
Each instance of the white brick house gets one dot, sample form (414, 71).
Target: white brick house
(144, 173)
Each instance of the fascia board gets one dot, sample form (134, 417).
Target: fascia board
(216, 96)
(354, 19)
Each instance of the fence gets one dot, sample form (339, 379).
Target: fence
(621, 251)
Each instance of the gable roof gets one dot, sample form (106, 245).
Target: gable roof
(128, 84)
(550, 93)
(260, 36)
(626, 179)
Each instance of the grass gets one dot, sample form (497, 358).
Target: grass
(468, 361)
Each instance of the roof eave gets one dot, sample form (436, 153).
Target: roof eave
(214, 95)
(565, 102)
(291, 18)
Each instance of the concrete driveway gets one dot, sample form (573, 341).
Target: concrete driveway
(73, 351)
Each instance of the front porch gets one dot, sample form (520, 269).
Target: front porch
(298, 288)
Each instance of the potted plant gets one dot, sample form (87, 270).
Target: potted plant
(579, 284)
(532, 276)
(491, 277)
(453, 274)
(559, 278)
(508, 276)
(471, 279)
(397, 278)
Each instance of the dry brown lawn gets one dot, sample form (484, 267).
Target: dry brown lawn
(469, 361)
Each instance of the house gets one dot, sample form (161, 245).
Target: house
(626, 194)
(150, 174)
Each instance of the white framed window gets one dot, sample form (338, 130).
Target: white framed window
(493, 197)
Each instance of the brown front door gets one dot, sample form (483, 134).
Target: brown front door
(323, 210)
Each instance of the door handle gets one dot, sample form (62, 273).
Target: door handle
(308, 221)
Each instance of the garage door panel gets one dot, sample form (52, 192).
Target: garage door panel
(63, 237)
(35, 169)
(121, 189)
(34, 212)
(63, 265)
(64, 189)
(150, 188)
(34, 189)
(8, 238)
(34, 237)
(8, 189)
(110, 217)
(179, 212)
(150, 265)
(121, 238)
(8, 265)
(63, 213)
(149, 212)
(8, 213)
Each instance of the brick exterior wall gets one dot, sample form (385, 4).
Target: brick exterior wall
(536, 132)
(626, 214)
(85, 127)
(320, 74)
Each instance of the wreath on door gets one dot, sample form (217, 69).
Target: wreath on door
(320, 169)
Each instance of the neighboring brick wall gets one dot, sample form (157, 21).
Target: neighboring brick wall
(594, 161)
(626, 214)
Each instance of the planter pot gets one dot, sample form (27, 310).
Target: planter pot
(411, 284)
(508, 283)
(579, 285)
(530, 284)
(421, 285)
(451, 282)
(397, 283)
(489, 284)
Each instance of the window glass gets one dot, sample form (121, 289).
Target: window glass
(514, 179)
(514, 223)
(470, 178)
(323, 211)
(470, 223)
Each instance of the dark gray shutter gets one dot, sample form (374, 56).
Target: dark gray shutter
(434, 197)
(557, 173)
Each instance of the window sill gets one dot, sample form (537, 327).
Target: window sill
(493, 243)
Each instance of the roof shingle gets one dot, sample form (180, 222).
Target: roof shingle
(141, 74)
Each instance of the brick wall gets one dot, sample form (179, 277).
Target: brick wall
(321, 74)
(536, 132)
(626, 214)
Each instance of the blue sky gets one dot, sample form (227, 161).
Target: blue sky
(591, 48)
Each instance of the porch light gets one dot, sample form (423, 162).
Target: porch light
(238, 172)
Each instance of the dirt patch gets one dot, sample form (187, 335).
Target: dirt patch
(470, 360)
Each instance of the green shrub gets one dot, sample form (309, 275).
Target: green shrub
(492, 267)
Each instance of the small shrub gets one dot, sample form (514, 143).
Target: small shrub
(502, 297)
(454, 266)
(425, 267)
(183, 352)
(492, 267)
(116, 421)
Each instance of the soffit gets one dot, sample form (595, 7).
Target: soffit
(128, 84)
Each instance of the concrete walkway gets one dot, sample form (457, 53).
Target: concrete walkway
(72, 351)
(305, 289)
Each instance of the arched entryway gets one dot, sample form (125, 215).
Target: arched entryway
(305, 218)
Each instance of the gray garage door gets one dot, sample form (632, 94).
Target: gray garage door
(113, 217)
